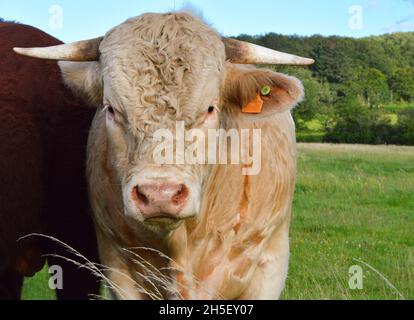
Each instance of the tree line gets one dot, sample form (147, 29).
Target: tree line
(355, 87)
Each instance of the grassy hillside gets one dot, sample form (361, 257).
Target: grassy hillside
(352, 203)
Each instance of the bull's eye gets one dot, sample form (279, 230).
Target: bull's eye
(210, 118)
(109, 109)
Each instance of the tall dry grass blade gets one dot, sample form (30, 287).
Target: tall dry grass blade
(95, 268)
(388, 282)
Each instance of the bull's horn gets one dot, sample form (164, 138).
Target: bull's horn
(248, 53)
(87, 50)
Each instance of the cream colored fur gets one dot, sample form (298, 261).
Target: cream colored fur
(155, 70)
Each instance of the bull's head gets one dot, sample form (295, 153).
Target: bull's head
(147, 74)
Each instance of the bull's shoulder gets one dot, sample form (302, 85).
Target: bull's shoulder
(17, 34)
(15, 67)
(33, 86)
(23, 80)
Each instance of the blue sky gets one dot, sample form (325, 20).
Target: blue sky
(90, 18)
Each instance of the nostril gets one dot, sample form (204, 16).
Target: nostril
(160, 199)
(140, 197)
(181, 195)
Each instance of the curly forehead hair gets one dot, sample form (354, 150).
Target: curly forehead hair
(162, 65)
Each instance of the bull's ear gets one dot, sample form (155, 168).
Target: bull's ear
(260, 91)
(84, 79)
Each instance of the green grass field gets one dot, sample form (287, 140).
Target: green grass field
(353, 202)
(354, 205)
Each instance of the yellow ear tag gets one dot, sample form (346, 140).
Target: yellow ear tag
(255, 106)
(266, 91)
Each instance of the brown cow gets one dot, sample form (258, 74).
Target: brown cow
(179, 230)
(43, 135)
